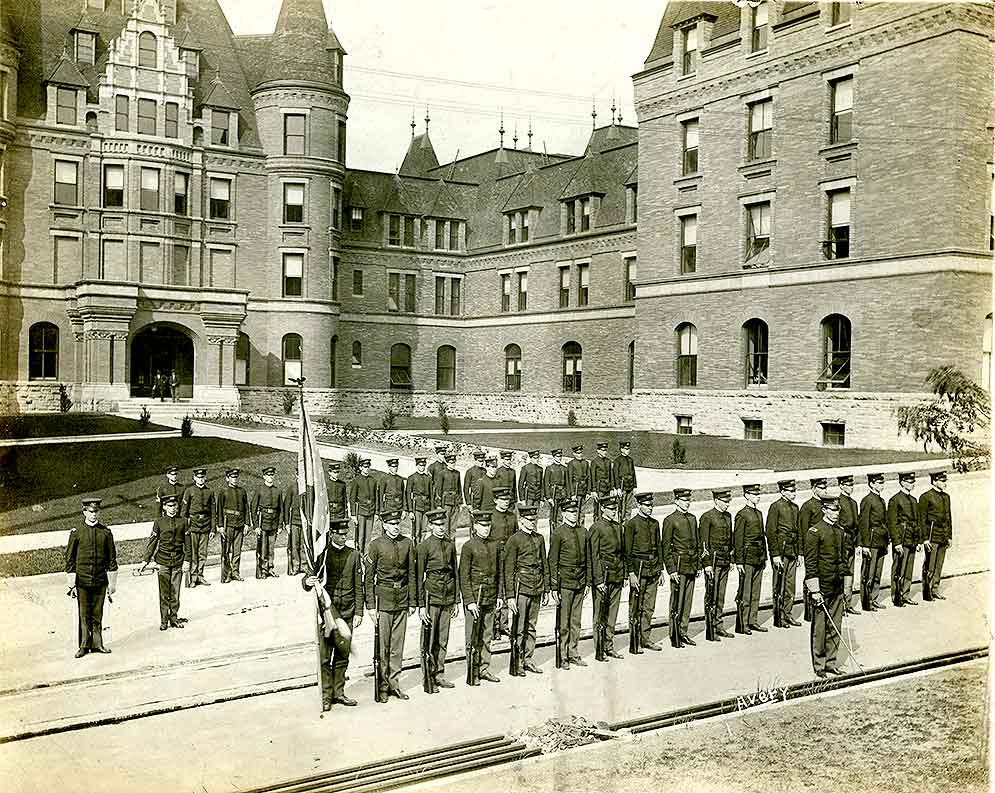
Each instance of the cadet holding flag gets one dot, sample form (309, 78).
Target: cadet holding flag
(437, 574)
(937, 527)
(166, 547)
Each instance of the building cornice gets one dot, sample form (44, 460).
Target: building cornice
(496, 320)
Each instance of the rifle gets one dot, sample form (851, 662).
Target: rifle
(476, 638)
(675, 607)
(710, 595)
(225, 561)
(259, 551)
(635, 616)
(427, 656)
(556, 630)
(865, 583)
(515, 662)
(898, 569)
(778, 579)
(601, 628)
(379, 678)
(927, 566)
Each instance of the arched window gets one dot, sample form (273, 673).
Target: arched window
(400, 367)
(631, 369)
(147, 50)
(332, 355)
(91, 122)
(43, 353)
(512, 368)
(198, 136)
(445, 369)
(357, 355)
(836, 341)
(755, 336)
(242, 348)
(572, 367)
(986, 355)
(293, 358)
(687, 355)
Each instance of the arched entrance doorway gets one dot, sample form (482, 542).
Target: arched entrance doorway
(161, 348)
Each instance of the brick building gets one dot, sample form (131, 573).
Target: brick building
(178, 199)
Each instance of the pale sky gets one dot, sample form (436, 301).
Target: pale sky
(544, 57)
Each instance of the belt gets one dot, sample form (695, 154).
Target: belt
(201, 514)
(269, 511)
(233, 512)
(335, 503)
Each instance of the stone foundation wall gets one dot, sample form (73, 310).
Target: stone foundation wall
(870, 419)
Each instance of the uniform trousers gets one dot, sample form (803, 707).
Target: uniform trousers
(170, 580)
(188, 554)
(870, 577)
(333, 667)
(198, 553)
(625, 506)
(231, 557)
(790, 572)
(721, 580)
(91, 615)
(364, 528)
(439, 616)
(748, 595)
(681, 594)
(901, 573)
(571, 605)
(932, 567)
(528, 614)
(826, 635)
(417, 526)
(613, 595)
(294, 539)
(391, 626)
(486, 634)
(452, 516)
(848, 590)
(648, 587)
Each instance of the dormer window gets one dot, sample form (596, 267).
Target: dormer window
(219, 127)
(65, 106)
(578, 215)
(839, 13)
(518, 226)
(147, 51)
(690, 39)
(759, 29)
(86, 47)
(191, 58)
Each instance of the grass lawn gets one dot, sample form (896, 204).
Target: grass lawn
(653, 450)
(56, 425)
(924, 734)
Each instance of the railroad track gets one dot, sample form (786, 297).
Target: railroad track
(460, 758)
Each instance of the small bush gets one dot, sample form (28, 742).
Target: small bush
(186, 427)
(389, 419)
(443, 417)
(289, 400)
(144, 417)
(678, 454)
(351, 464)
(571, 418)
(65, 402)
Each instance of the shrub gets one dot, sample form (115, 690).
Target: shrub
(389, 419)
(65, 402)
(289, 400)
(186, 427)
(144, 417)
(443, 417)
(351, 464)
(571, 418)
(678, 454)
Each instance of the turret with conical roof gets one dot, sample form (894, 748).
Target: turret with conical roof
(303, 49)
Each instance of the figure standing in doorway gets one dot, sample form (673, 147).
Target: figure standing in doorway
(174, 384)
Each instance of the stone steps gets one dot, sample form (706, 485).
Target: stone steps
(132, 408)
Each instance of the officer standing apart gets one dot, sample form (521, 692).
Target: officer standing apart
(418, 493)
(825, 568)
(91, 568)
(554, 484)
(904, 529)
(530, 481)
(526, 571)
(198, 509)
(849, 513)
(681, 549)
(784, 545)
(643, 556)
(716, 536)
(937, 527)
(750, 556)
(363, 498)
(166, 547)
(624, 474)
(872, 540)
(437, 574)
(569, 577)
(233, 507)
(482, 588)
(266, 513)
(343, 587)
(391, 595)
(608, 568)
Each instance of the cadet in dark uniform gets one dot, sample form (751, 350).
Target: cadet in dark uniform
(641, 546)
(91, 568)
(681, 551)
(872, 539)
(530, 481)
(363, 501)
(418, 492)
(811, 512)
(603, 483)
(166, 547)
(904, 529)
(436, 468)
(449, 492)
(343, 587)
(482, 494)
(607, 567)
(554, 484)
(481, 586)
(750, 556)
(937, 530)
(715, 528)
(624, 474)
(579, 480)
(338, 496)
(473, 473)
(233, 507)
(569, 577)
(437, 574)
(526, 571)
(292, 521)
(825, 567)
(266, 512)
(391, 491)
(505, 474)
(504, 524)
(849, 512)
(172, 487)
(784, 544)
(198, 509)
(391, 594)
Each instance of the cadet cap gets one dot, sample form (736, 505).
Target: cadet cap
(819, 482)
(907, 476)
(533, 453)
(938, 476)
(450, 457)
(90, 502)
(491, 461)
(440, 447)
(172, 469)
(338, 526)
(831, 500)
(232, 472)
(526, 510)
(479, 456)
(436, 516)
(644, 498)
(391, 517)
(603, 446)
(334, 465)
(392, 462)
(786, 484)
(845, 479)
(682, 492)
(722, 495)
(751, 490)
(568, 505)
(482, 517)
(875, 477)
(579, 447)
(624, 445)
(364, 461)
(420, 461)
(269, 470)
(200, 472)
(505, 455)
(502, 492)
(556, 452)
(170, 499)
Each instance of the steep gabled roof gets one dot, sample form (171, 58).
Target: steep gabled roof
(219, 96)
(66, 73)
(586, 179)
(726, 16)
(445, 203)
(420, 157)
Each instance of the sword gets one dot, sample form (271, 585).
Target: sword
(846, 644)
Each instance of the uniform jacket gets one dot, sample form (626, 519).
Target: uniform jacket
(266, 509)
(568, 567)
(473, 473)
(390, 494)
(503, 526)
(391, 583)
(530, 482)
(681, 543)
(624, 473)
(436, 571)
(606, 552)
(825, 557)
(166, 489)
(716, 536)
(849, 512)
(934, 515)
(748, 539)
(198, 507)
(166, 542)
(903, 519)
(419, 493)
(602, 476)
(506, 477)
(363, 495)
(641, 543)
(232, 506)
(578, 478)
(482, 496)
(525, 565)
(783, 538)
(344, 580)
(480, 572)
(338, 500)
(435, 470)
(90, 553)
(809, 514)
(448, 493)
(872, 525)
(554, 481)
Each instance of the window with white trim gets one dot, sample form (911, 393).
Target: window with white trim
(149, 195)
(689, 38)
(293, 202)
(837, 246)
(113, 186)
(761, 129)
(66, 182)
(293, 274)
(146, 117)
(65, 106)
(294, 134)
(689, 243)
(841, 123)
(505, 292)
(181, 188)
(689, 162)
(584, 278)
(86, 47)
(759, 28)
(687, 355)
(220, 199)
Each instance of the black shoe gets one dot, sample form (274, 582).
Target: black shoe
(349, 702)
(81, 652)
(564, 665)
(747, 631)
(793, 622)
(203, 582)
(910, 602)
(724, 634)
(396, 692)
(326, 706)
(237, 578)
(938, 596)
(163, 626)
(686, 640)
(651, 646)
(613, 654)
(578, 662)
(103, 650)
(832, 670)
(182, 620)
(443, 683)
(759, 628)
(492, 679)
(851, 610)
(175, 624)
(820, 674)
(531, 667)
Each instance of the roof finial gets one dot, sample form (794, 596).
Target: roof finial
(530, 133)
(427, 119)
(412, 123)
(217, 73)
(613, 108)
(515, 138)
(501, 130)
(620, 115)
(594, 114)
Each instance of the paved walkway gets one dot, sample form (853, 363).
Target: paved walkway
(110, 436)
